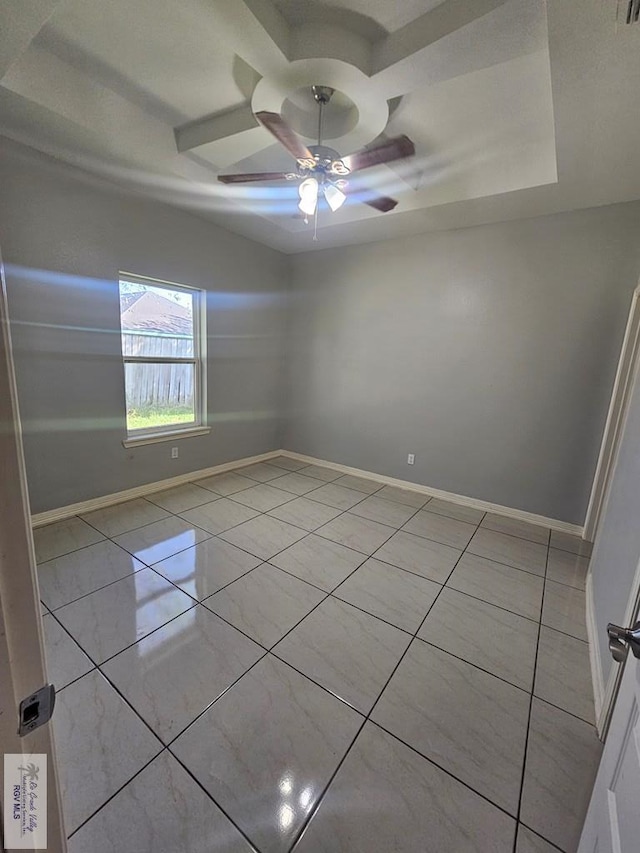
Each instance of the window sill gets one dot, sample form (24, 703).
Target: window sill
(156, 438)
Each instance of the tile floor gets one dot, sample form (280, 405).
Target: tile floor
(284, 658)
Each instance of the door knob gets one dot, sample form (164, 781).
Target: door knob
(623, 639)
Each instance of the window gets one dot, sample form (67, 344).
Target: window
(162, 349)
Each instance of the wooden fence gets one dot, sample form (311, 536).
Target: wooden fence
(158, 385)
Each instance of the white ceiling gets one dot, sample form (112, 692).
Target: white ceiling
(516, 107)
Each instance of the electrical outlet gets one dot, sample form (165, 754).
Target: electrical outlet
(411, 458)
(174, 452)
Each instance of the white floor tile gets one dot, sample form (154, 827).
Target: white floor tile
(163, 810)
(100, 743)
(387, 798)
(319, 561)
(65, 659)
(470, 723)
(266, 603)
(62, 537)
(266, 749)
(207, 567)
(71, 576)
(107, 621)
(175, 673)
(113, 520)
(350, 653)
(395, 595)
(162, 539)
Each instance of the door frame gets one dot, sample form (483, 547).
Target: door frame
(627, 364)
(22, 653)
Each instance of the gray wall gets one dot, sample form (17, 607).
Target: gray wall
(488, 352)
(64, 240)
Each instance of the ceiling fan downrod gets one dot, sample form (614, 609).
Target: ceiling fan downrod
(322, 95)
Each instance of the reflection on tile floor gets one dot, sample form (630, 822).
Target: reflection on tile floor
(282, 658)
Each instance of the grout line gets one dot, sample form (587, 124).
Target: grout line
(138, 715)
(516, 536)
(217, 699)
(112, 536)
(307, 677)
(369, 613)
(271, 651)
(537, 834)
(196, 603)
(444, 770)
(115, 793)
(165, 747)
(499, 606)
(187, 508)
(508, 565)
(327, 595)
(200, 602)
(533, 687)
(253, 847)
(73, 550)
(476, 666)
(564, 633)
(315, 585)
(143, 566)
(320, 799)
(131, 645)
(564, 710)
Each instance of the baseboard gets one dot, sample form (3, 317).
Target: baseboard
(462, 500)
(41, 518)
(594, 652)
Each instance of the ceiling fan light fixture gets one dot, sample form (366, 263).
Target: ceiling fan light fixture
(334, 196)
(308, 191)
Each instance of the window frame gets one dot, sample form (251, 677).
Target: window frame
(152, 435)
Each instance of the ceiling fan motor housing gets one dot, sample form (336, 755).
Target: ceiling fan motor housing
(326, 161)
(322, 94)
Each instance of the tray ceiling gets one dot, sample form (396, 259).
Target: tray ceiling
(516, 107)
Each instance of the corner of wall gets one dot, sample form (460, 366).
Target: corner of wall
(287, 336)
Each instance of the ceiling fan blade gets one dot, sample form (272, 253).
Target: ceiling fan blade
(381, 202)
(392, 149)
(255, 176)
(285, 135)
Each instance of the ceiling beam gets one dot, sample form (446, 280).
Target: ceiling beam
(22, 20)
(201, 132)
(264, 33)
(397, 52)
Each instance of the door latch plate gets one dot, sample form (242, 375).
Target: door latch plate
(36, 709)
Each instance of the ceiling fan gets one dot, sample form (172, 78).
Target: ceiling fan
(320, 169)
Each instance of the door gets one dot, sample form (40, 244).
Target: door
(22, 660)
(613, 582)
(612, 824)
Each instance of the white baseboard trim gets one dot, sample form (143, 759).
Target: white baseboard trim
(41, 518)
(594, 653)
(462, 500)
